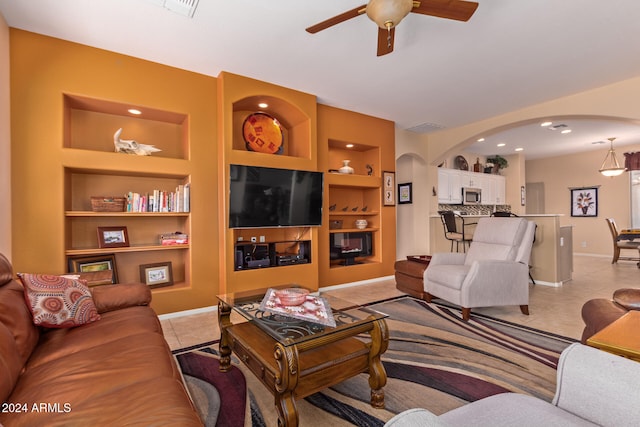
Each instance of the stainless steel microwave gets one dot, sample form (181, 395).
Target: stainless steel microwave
(471, 196)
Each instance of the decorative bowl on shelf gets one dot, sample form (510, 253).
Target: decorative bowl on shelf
(292, 296)
(361, 224)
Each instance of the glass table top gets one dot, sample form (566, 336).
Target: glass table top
(288, 330)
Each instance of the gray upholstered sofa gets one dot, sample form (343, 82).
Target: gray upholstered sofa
(593, 388)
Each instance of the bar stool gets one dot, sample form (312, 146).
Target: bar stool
(452, 232)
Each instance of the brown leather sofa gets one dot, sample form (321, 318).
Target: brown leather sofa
(115, 371)
(597, 313)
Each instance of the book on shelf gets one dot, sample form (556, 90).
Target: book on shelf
(176, 238)
(160, 200)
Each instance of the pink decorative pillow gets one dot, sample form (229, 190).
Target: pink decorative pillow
(58, 302)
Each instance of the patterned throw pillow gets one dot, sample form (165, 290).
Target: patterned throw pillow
(58, 302)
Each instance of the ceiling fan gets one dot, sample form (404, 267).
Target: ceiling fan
(387, 14)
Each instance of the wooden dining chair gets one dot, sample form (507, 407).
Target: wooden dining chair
(618, 244)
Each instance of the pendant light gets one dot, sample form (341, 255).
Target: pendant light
(610, 165)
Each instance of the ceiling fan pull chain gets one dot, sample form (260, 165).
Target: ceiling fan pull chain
(388, 36)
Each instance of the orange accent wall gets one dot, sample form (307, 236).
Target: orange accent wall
(43, 69)
(374, 141)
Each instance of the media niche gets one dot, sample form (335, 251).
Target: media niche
(270, 197)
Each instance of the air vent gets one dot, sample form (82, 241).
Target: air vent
(425, 128)
(181, 7)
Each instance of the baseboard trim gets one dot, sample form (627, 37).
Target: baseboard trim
(191, 312)
(208, 309)
(358, 283)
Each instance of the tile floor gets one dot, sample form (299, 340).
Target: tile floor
(551, 309)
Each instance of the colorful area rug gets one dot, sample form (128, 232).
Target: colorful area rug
(434, 361)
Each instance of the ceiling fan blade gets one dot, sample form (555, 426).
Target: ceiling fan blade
(450, 9)
(337, 19)
(385, 40)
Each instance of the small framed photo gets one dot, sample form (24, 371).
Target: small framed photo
(584, 201)
(405, 193)
(389, 188)
(94, 264)
(113, 237)
(158, 274)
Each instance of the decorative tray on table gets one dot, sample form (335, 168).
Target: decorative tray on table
(307, 307)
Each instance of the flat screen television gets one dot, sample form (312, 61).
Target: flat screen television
(270, 197)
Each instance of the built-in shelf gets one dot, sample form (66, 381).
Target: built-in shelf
(351, 230)
(92, 168)
(90, 214)
(359, 213)
(140, 248)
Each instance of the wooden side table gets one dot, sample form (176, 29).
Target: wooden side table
(620, 337)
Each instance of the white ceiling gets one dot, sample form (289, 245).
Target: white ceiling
(442, 73)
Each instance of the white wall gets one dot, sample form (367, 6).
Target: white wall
(5, 146)
(616, 101)
(412, 220)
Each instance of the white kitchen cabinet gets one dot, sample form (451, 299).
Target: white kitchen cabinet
(451, 182)
(449, 186)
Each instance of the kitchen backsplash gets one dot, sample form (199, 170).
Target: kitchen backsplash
(475, 209)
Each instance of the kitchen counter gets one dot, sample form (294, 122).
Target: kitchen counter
(551, 255)
(486, 216)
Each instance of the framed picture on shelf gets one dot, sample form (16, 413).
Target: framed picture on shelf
(405, 193)
(94, 264)
(584, 201)
(158, 274)
(113, 237)
(389, 188)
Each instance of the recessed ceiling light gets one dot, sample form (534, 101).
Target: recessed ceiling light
(263, 105)
(134, 111)
(481, 140)
(545, 124)
(519, 149)
(502, 144)
(349, 145)
(566, 131)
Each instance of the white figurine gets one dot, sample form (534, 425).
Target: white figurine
(130, 146)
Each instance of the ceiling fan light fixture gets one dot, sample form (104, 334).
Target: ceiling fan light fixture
(610, 166)
(388, 13)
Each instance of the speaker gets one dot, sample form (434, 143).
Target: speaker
(239, 260)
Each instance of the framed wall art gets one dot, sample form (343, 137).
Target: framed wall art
(405, 193)
(584, 201)
(113, 237)
(158, 274)
(94, 264)
(389, 188)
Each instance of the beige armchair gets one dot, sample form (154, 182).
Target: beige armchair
(493, 272)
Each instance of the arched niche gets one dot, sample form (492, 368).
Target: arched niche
(295, 123)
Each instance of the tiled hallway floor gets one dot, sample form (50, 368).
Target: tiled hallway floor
(551, 309)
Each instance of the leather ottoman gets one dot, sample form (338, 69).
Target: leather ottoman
(409, 275)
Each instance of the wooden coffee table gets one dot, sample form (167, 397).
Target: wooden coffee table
(620, 337)
(295, 358)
